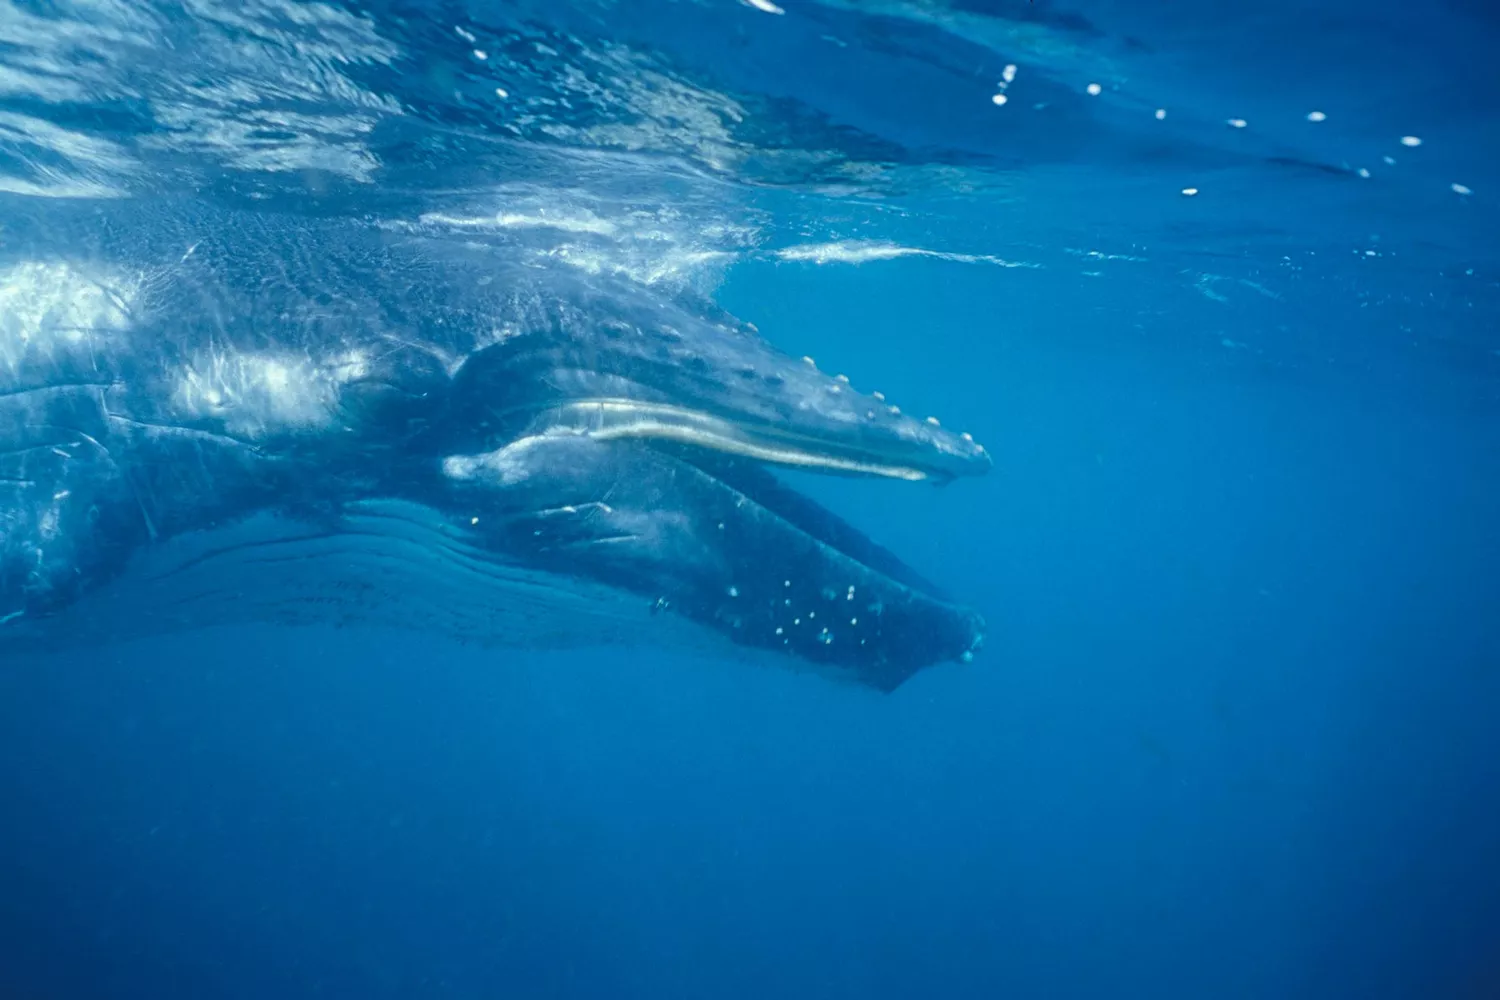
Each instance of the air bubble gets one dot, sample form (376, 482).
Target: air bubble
(1094, 89)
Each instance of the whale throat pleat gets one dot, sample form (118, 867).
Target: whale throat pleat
(386, 564)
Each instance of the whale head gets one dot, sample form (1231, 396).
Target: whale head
(633, 439)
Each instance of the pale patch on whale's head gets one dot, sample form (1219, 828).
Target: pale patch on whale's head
(51, 312)
(254, 395)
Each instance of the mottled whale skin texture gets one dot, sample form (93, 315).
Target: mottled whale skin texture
(211, 416)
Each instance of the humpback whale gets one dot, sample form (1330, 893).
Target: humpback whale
(212, 415)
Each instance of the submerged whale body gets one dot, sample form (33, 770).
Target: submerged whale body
(210, 416)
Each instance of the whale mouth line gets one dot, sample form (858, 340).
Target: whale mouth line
(626, 419)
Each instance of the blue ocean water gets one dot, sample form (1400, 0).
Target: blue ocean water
(1232, 731)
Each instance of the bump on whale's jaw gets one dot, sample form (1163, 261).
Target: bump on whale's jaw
(716, 539)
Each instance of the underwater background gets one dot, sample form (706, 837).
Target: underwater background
(1217, 285)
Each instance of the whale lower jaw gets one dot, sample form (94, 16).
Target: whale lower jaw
(385, 563)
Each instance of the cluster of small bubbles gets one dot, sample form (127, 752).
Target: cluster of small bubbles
(1410, 141)
(479, 54)
(734, 592)
(825, 637)
(1006, 78)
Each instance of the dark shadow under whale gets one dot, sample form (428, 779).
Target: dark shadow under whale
(210, 416)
